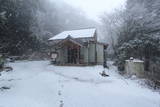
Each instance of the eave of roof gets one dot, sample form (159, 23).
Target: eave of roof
(81, 33)
(69, 38)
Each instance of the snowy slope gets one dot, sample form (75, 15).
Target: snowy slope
(82, 33)
(38, 84)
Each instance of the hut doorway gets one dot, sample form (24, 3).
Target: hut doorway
(73, 55)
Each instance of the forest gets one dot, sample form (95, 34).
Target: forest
(130, 31)
(26, 25)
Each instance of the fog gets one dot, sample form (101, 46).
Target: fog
(94, 8)
(69, 14)
(60, 16)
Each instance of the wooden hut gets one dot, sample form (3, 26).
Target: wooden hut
(78, 47)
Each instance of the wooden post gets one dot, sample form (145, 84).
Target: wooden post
(96, 53)
(78, 54)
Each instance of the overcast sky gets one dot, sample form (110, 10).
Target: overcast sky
(95, 8)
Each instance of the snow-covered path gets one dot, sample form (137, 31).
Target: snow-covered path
(38, 84)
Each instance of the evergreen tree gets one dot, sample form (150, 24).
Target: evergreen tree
(15, 26)
(139, 35)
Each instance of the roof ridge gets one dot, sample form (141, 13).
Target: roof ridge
(82, 28)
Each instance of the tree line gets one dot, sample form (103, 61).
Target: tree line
(134, 31)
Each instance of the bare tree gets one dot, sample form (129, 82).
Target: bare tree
(111, 27)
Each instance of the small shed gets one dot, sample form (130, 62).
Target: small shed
(134, 67)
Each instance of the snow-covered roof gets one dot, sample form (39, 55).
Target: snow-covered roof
(81, 33)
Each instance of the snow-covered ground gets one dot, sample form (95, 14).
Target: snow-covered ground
(38, 84)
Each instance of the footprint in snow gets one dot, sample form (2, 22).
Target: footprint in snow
(59, 93)
(61, 103)
(62, 86)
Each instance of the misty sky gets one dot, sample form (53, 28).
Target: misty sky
(95, 8)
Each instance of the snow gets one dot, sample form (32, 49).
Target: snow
(136, 60)
(39, 84)
(82, 33)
